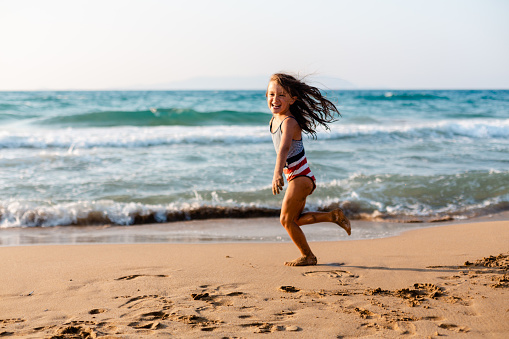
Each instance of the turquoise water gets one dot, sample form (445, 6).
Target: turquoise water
(123, 158)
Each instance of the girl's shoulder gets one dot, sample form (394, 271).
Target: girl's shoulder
(287, 123)
(291, 125)
(282, 119)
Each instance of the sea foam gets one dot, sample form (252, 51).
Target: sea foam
(128, 137)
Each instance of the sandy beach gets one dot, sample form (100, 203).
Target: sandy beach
(440, 281)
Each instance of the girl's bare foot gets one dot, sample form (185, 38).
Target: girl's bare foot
(339, 218)
(309, 260)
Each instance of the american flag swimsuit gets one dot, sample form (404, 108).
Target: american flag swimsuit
(296, 162)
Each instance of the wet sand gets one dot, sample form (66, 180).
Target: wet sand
(212, 231)
(197, 231)
(438, 281)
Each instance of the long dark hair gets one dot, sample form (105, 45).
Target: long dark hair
(311, 108)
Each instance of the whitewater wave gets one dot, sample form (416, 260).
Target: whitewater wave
(417, 197)
(22, 214)
(129, 137)
(481, 128)
(389, 197)
(30, 214)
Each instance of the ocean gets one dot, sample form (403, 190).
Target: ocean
(136, 157)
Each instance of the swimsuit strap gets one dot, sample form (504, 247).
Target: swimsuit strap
(281, 124)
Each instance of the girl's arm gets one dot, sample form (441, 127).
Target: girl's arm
(289, 128)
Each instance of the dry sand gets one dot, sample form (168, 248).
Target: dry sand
(441, 281)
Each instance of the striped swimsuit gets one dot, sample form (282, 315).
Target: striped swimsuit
(296, 162)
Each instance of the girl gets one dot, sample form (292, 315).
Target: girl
(298, 107)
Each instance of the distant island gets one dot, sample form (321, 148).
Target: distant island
(240, 83)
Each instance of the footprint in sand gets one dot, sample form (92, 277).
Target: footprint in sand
(433, 290)
(454, 327)
(74, 332)
(151, 317)
(141, 298)
(107, 327)
(364, 313)
(330, 274)
(96, 311)
(217, 296)
(208, 329)
(145, 325)
(230, 287)
(433, 318)
(11, 321)
(80, 322)
(341, 276)
(289, 289)
(452, 277)
(416, 295)
(134, 276)
(234, 294)
(269, 327)
(43, 328)
(404, 328)
(201, 296)
(284, 314)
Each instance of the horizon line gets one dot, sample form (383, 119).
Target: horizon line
(252, 89)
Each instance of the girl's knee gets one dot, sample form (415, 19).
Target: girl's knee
(286, 220)
(283, 219)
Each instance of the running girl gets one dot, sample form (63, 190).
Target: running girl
(298, 107)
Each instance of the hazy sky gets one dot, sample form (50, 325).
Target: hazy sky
(61, 44)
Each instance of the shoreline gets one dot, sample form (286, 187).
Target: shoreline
(244, 230)
(449, 280)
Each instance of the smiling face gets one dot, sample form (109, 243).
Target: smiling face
(278, 100)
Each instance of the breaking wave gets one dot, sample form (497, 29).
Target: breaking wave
(396, 198)
(128, 137)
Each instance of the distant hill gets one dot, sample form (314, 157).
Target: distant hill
(241, 83)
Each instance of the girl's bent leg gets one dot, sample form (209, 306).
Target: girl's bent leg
(337, 216)
(293, 205)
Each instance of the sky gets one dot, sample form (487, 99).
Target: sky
(396, 44)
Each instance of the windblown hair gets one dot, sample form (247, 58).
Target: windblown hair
(311, 108)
